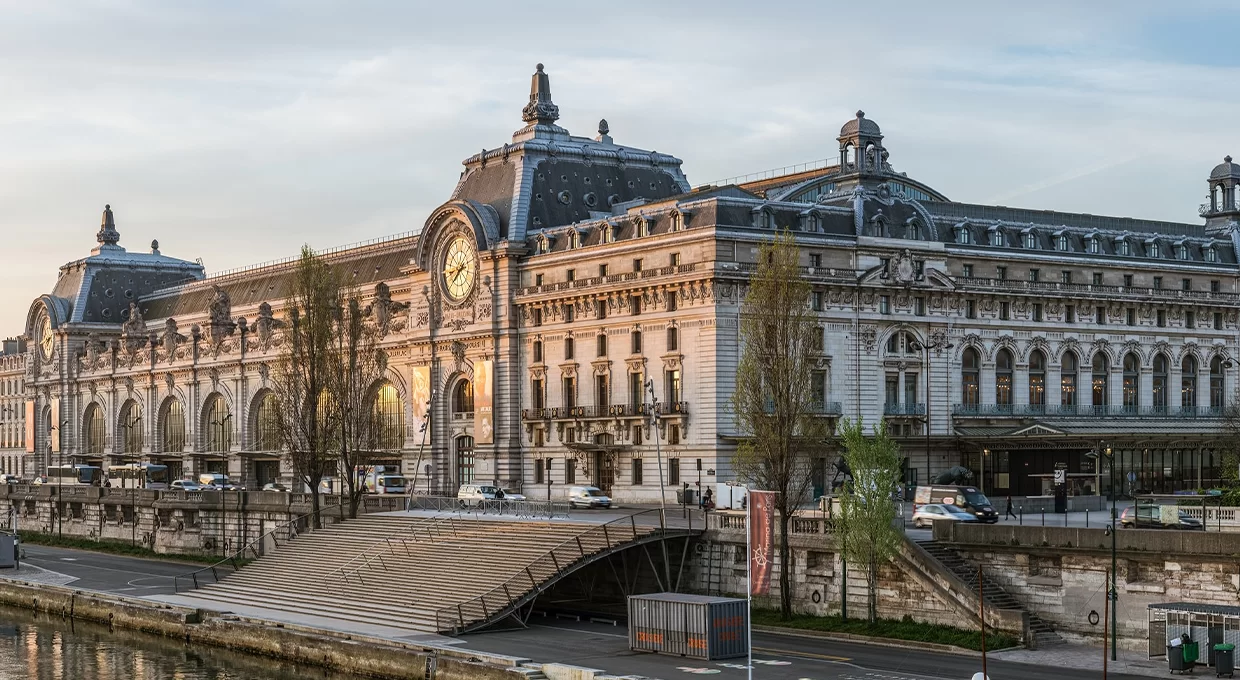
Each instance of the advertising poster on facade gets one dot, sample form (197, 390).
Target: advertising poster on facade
(56, 435)
(484, 390)
(420, 396)
(761, 526)
(30, 426)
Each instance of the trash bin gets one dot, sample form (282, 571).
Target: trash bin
(1175, 659)
(1224, 660)
(1190, 653)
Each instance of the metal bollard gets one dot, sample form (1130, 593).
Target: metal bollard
(1043, 516)
(1021, 513)
(1086, 518)
(1065, 518)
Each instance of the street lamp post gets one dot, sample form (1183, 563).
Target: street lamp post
(60, 461)
(133, 494)
(658, 454)
(1113, 529)
(224, 486)
(939, 342)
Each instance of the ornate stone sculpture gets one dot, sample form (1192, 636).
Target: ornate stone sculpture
(221, 316)
(133, 331)
(265, 326)
(171, 339)
(384, 310)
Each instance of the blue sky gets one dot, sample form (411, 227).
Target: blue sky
(235, 131)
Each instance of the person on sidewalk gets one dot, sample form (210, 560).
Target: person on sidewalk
(1009, 512)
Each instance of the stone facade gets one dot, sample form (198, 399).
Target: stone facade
(13, 408)
(592, 296)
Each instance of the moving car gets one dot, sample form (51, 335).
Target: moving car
(274, 486)
(185, 485)
(510, 495)
(930, 513)
(967, 498)
(474, 494)
(1159, 517)
(588, 497)
(10, 479)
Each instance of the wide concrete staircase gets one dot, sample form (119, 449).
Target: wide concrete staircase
(420, 574)
(996, 597)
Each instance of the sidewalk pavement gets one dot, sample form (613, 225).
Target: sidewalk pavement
(1087, 658)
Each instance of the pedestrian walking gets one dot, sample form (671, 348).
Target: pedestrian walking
(1009, 512)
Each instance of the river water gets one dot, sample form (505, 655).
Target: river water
(41, 647)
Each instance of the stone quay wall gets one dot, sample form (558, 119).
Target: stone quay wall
(1060, 573)
(171, 522)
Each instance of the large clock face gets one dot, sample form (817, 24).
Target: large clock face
(460, 268)
(46, 339)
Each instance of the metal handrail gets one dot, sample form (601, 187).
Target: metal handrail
(367, 557)
(233, 559)
(502, 597)
(525, 508)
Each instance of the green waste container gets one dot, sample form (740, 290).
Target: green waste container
(1190, 653)
(1224, 660)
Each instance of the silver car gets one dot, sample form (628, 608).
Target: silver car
(930, 513)
(588, 497)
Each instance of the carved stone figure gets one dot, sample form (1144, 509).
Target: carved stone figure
(384, 310)
(221, 316)
(171, 339)
(265, 325)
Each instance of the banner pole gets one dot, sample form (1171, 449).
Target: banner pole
(749, 587)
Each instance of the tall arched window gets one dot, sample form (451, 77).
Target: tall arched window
(1188, 383)
(970, 377)
(1067, 379)
(1100, 381)
(94, 429)
(464, 460)
(1158, 387)
(1003, 378)
(131, 427)
(1037, 378)
(174, 427)
(389, 419)
(1216, 384)
(218, 421)
(902, 342)
(1132, 380)
(267, 424)
(463, 397)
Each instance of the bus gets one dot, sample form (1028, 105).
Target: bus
(138, 476)
(381, 479)
(81, 475)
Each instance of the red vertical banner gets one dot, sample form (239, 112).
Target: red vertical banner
(761, 527)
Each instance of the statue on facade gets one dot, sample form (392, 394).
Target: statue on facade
(265, 325)
(384, 310)
(220, 310)
(171, 338)
(134, 329)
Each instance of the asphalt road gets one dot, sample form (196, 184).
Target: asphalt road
(110, 573)
(776, 657)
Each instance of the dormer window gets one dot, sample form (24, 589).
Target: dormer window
(962, 236)
(1123, 247)
(1211, 254)
(1094, 246)
(1155, 249)
(1061, 242)
(1182, 252)
(996, 238)
(574, 240)
(1031, 240)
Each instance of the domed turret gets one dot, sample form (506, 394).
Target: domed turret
(861, 125)
(1225, 170)
(861, 146)
(1222, 210)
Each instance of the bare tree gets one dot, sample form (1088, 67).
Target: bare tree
(867, 534)
(357, 367)
(775, 403)
(308, 421)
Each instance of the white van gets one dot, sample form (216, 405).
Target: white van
(473, 494)
(588, 497)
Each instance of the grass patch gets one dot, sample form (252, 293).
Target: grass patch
(113, 548)
(904, 629)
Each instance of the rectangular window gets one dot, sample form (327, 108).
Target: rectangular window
(536, 316)
(1037, 311)
(1190, 319)
(919, 306)
(538, 278)
(1069, 314)
(1186, 284)
(910, 388)
(1100, 315)
(1097, 278)
(1130, 315)
(1128, 280)
(968, 271)
(570, 435)
(569, 347)
(673, 434)
(539, 394)
(970, 309)
(1162, 319)
(672, 301)
(635, 340)
(1004, 311)
(637, 265)
(1065, 276)
(538, 351)
(569, 313)
(673, 472)
(816, 301)
(539, 438)
(637, 471)
(600, 307)
(884, 304)
(539, 470)
(602, 345)
(570, 275)
(1218, 321)
(674, 260)
(815, 260)
(1157, 283)
(891, 389)
(636, 390)
(635, 305)
(570, 392)
(1214, 286)
(671, 381)
(602, 392)
(1034, 275)
(637, 435)
(673, 339)
(602, 270)
(1001, 273)
(570, 471)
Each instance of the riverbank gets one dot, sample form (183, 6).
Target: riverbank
(353, 654)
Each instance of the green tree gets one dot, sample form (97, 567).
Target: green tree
(867, 533)
(774, 402)
(308, 419)
(357, 367)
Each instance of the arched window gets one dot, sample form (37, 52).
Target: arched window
(465, 460)
(902, 342)
(1216, 384)
(1211, 254)
(1003, 378)
(970, 377)
(389, 419)
(996, 238)
(1132, 377)
(1155, 249)
(1062, 242)
(1100, 381)
(1188, 383)
(1067, 379)
(174, 427)
(267, 424)
(1031, 240)
(1158, 387)
(131, 427)
(218, 421)
(463, 397)
(1037, 378)
(1094, 246)
(94, 429)
(850, 155)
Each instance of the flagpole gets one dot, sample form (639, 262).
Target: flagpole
(749, 585)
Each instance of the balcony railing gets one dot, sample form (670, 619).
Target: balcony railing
(1083, 411)
(665, 408)
(904, 409)
(608, 411)
(827, 408)
(1092, 290)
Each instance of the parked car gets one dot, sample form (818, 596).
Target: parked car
(275, 486)
(10, 479)
(185, 485)
(930, 513)
(588, 497)
(1156, 517)
(510, 495)
(473, 494)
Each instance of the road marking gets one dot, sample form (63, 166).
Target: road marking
(68, 559)
(809, 655)
(583, 632)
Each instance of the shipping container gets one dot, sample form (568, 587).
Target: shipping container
(695, 626)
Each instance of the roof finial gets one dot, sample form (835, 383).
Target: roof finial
(1227, 158)
(603, 129)
(540, 110)
(107, 229)
(860, 113)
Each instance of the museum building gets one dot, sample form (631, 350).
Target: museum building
(569, 316)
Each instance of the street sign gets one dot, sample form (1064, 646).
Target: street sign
(1061, 476)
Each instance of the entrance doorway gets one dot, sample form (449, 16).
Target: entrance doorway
(266, 472)
(464, 461)
(604, 467)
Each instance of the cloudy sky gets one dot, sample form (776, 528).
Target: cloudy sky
(235, 131)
